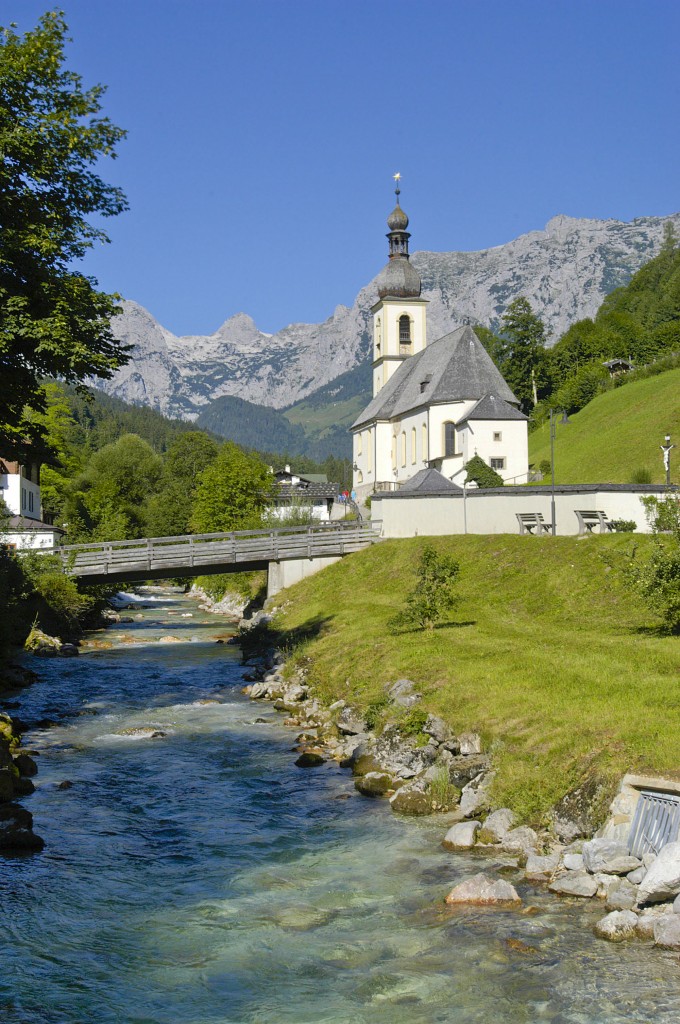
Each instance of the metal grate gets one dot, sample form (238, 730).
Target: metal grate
(655, 823)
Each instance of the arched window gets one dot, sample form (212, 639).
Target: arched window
(360, 477)
(369, 451)
(404, 329)
(413, 444)
(378, 334)
(449, 438)
(394, 452)
(359, 443)
(424, 442)
(403, 447)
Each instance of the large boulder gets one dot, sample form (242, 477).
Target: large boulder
(576, 814)
(522, 840)
(662, 881)
(622, 895)
(470, 743)
(474, 797)
(461, 836)
(349, 723)
(617, 926)
(465, 768)
(647, 919)
(540, 869)
(437, 728)
(484, 891)
(411, 799)
(311, 758)
(607, 856)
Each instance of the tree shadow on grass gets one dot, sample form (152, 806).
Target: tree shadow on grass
(658, 631)
(405, 630)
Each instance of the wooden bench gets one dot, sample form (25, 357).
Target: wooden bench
(530, 521)
(588, 520)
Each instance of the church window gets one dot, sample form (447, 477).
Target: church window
(413, 444)
(497, 435)
(360, 477)
(404, 329)
(394, 452)
(424, 442)
(369, 451)
(497, 464)
(403, 447)
(378, 334)
(449, 438)
(359, 443)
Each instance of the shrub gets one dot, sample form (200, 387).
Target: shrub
(658, 579)
(413, 722)
(375, 711)
(624, 525)
(484, 476)
(433, 593)
(641, 475)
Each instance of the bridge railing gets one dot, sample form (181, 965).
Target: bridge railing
(195, 550)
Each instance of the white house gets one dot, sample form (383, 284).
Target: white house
(20, 491)
(310, 491)
(434, 405)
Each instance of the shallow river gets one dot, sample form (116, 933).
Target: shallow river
(199, 877)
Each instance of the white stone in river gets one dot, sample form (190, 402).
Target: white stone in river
(617, 926)
(662, 881)
(482, 890)
(461, 836)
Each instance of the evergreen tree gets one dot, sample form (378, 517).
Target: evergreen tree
(524, 365)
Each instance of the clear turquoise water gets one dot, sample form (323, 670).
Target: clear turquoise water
(201, 878)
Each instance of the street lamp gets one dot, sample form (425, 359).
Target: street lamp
(553, 431)
(666, 449)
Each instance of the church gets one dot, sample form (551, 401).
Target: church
(434, 405)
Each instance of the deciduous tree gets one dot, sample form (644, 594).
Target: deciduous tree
(53, 320)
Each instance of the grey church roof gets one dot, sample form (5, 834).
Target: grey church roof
(455, 368)
(430, 481)
(399, 279)
(492, 408)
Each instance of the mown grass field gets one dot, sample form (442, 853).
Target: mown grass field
(616, 434)
(563, 671)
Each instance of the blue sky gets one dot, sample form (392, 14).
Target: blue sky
(263, 134)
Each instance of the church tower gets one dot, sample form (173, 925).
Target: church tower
(399, 321)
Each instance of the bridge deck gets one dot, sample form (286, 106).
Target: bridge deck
(205, 554)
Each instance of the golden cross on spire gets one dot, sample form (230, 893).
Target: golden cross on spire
(397, 180)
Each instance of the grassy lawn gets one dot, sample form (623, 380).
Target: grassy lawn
(617, 433)
(548, 656)
(316, 419)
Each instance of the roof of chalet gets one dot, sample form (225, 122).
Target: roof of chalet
(22, 524)
(454, 368)
(492, 408)
(306, 491)
(429, 481)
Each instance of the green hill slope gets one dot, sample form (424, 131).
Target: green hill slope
(616, 434)
(548, 654)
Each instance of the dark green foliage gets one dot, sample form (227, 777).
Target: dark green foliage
(624, 525)
(495, 346)
(524, 363)
(232, 493)
(658, 578)
(484, 476)
(375, 711)
(169, 510)
(413, 722)
(53, 322)
(433, 594)
(252, 426)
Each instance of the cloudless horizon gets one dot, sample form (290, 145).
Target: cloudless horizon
(263, 136)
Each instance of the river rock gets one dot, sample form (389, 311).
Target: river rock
(635, 877)
(461, 836)
(662, 881)
(68, 651)
(574, 884)
(302, 919)
(474, 797)
(497, 825)
(607, 856)
(576, 813)
(522, 840)
(374, 783)
(540, 869)
(647, 919)
(20, 840)
(7, 780)
(573, 861)
(16, 815)
(311, 758)
(617, 926)
(465, 768)
(667, 931)
(41, 644)
(411, 799)
(621, 895)
(484, 891)
(470, 743)
(295, 693)
(26, 765)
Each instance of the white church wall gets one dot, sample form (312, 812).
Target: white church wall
(512, 446)
(485, 513)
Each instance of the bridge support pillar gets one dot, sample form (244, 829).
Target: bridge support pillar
(286, 573)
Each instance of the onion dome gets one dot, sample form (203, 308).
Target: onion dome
(399, 280)
(397, 220)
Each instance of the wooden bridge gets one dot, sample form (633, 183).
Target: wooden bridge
(208, 553)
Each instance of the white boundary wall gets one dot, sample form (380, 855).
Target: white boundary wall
(495, 510)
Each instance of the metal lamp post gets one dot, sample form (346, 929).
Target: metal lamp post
(553, 431)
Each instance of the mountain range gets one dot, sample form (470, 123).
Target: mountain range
(319, 374)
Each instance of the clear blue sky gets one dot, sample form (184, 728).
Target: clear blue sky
(263, 135)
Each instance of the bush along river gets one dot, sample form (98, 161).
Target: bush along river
(194, 874)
